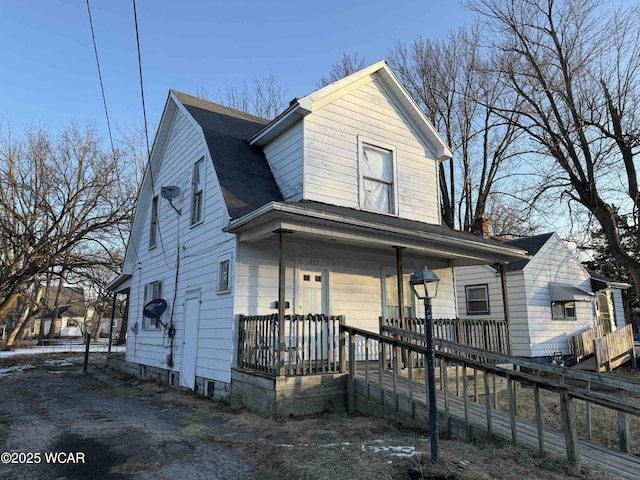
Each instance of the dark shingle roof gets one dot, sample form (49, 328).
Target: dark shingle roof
(531, 244)
(393, 221)
(243, 172)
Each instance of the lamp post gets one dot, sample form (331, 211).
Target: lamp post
(420, 281)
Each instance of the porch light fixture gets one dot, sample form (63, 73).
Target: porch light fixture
(424, 284)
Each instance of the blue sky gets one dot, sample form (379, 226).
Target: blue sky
(49, 74)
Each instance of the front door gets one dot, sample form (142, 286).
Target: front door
(311, 295)
(190, 342)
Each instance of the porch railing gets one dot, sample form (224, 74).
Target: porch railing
(311, 344)
(485, 334)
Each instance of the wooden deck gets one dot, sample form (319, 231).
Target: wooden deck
(409, 406)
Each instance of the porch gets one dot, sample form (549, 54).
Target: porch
(302, 368)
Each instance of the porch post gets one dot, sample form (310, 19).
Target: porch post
(400, 285)
(281, 300)
(505, 303)
(113, 315)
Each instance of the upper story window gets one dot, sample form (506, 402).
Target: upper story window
(377, 176)
(152, 291)
(477, 297)
(197, 192)
(153, 226)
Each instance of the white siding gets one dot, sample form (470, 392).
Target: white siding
(533, 331)
(618, 307)
(485, 275)
(355, 279)
(554, 263)
(284, 155)
(331, 152)
(199, 246)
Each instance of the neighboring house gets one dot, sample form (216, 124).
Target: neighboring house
(70, 313)
(323, 205)
(550, 297)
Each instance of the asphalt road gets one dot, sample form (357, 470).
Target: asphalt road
(57, 423)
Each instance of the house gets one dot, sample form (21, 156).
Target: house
(550, 296)
(69, 314)
(314, 212)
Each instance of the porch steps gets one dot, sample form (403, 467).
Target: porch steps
(370, 400)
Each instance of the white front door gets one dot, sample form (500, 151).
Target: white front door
(190, 342)
(311, 295)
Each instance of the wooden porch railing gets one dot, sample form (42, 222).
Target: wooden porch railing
(311, 344)
(491, 335)
(568, 385)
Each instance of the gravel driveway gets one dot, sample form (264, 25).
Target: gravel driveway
(57, 423)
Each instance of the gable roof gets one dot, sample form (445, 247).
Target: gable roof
(531, 245)
(245, 178)
(301, 107)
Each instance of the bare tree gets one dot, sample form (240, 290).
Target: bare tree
(263, 97)
(450, 81)
(349, 64)
(61, 202)
(576, 67)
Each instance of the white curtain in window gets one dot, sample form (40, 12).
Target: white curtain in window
(377, 172)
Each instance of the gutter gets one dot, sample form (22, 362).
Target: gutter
(291, 209)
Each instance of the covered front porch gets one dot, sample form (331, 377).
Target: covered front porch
(319, 266)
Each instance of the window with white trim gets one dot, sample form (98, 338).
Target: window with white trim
(197, 191)
(477, 297)
(152, 291)
(224, 274)
(377, 177)
(560, 310)
(153, 227)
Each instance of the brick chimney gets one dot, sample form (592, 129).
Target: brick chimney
(481, 227)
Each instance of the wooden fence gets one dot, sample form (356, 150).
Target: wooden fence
(568, 385)
(582, 343)
(486, 334)
(614, 349)
(311, 344)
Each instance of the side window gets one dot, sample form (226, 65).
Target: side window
(477, 297)
(153, 226)
(197, 192)
(376, 164)
(560, 310)
(152, 291)
(224, 274)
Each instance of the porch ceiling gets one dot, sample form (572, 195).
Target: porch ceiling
(346, 226)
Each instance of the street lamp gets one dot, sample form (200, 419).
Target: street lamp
(420, 281)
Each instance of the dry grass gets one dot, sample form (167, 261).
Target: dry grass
(604, 421)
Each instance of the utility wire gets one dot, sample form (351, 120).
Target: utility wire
(144, 110)
(146, 129)
(104, 98)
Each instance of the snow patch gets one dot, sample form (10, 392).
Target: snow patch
(5, 372)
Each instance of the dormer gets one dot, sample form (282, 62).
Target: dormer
(361, 142)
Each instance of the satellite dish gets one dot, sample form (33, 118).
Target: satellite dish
(155, 308)
(170, 192)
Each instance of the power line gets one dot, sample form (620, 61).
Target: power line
(104, 98)
(144, 110)
(146, 130)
